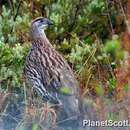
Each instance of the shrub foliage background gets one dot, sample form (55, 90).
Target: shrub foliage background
(86, 32)
(92, 35)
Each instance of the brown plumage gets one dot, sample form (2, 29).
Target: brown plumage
(49, 74)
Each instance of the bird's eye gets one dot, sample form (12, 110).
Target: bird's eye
(41, 21)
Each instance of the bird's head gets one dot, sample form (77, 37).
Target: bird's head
(38, 26)
(41, 23)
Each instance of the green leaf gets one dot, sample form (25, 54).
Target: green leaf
(126, 87)
(65, 90)
(99, 90)
(35, 127)
(112, 84)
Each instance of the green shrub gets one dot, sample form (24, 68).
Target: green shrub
(11, 65)
(12, 30)
(113, 47)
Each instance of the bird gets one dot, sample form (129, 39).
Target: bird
(49, 73)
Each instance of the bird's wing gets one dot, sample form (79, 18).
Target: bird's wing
(68, 81)
(63, 75)
(49, 74)
(67, 93)
(38, 76)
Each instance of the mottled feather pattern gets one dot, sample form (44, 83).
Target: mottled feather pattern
(47, 70)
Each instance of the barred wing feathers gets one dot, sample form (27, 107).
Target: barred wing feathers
(49, 73)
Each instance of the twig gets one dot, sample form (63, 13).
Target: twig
(109, 18)
(25, 96)
(3, 100)
(45, 111)
(123, 12)
(14, 19)
(75, 16)
(67, 119)
(17, 11)
(10, 4)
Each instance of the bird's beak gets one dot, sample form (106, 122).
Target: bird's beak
(50, 23)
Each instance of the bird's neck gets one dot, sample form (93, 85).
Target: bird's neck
(39, 35)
